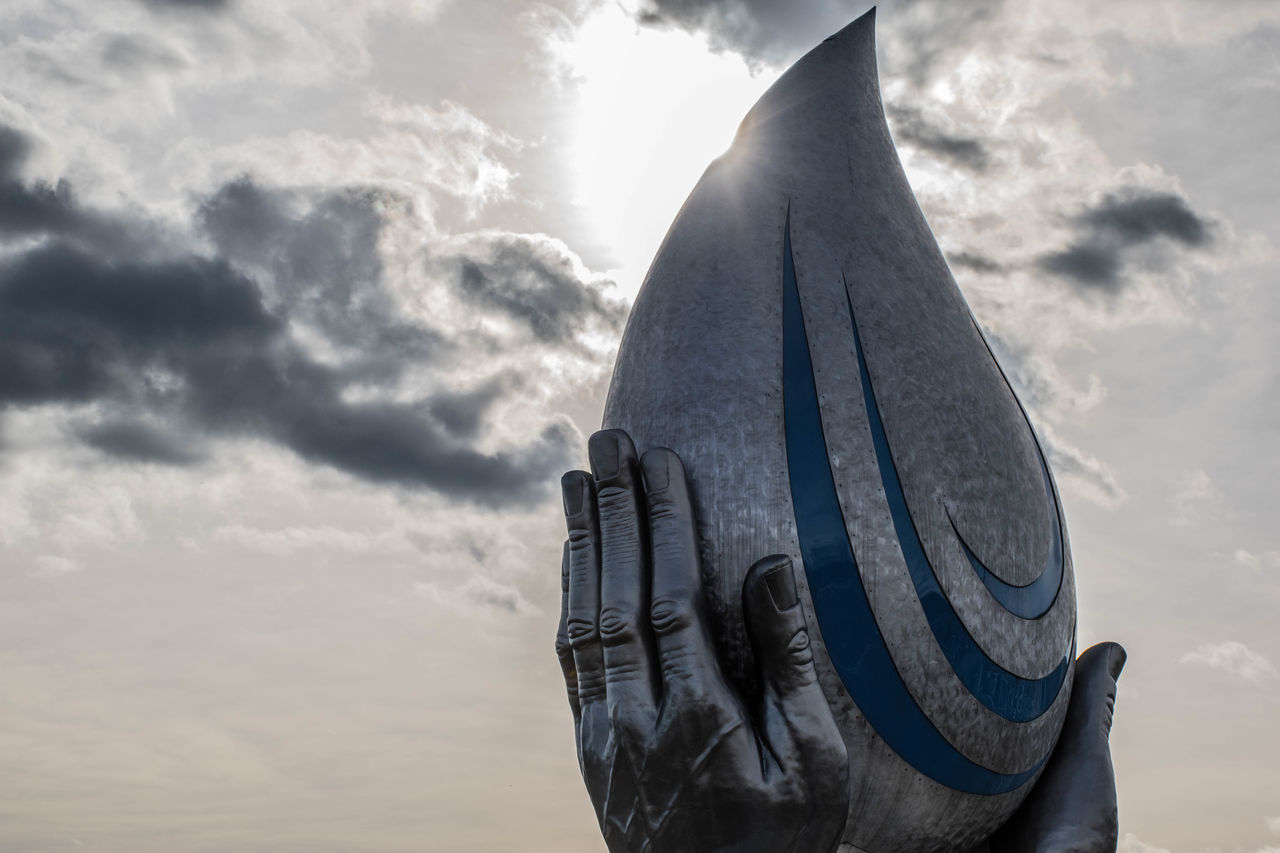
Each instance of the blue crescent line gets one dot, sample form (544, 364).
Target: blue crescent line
(853, 641)
(1011, 696)
(1033, 600)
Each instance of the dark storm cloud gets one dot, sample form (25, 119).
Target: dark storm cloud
(533, 283)
(760, 30)
(138, 441)
(462, 412)
(202, 344)
(1107, 231)
(13, 152)
(322, 260)
(916, 34)
(1136, 217)
(51, 209)
(138, 53)
(193, 5)
(975, 261)
(32, 209)
(910, 126)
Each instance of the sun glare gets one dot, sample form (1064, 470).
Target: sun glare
(655, 107)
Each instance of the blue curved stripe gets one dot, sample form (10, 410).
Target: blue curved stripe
(1033, 600)
(854, 643)
(1011, 696)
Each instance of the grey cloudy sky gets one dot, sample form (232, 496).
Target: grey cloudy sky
(305, 304)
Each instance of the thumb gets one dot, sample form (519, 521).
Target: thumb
(776, 625)
(794, 720)
(1073, 805)
(1094, 698)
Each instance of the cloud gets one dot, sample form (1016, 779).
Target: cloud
(1196, 498)
(1131, 844)
(1235, 659)
(1087, 475)
(759, 30)
(1273, 824)
(1247, 558)
(52, 566)
(463, 412)
(14, 147)
(480, 593)
(136, 440)
(194, 5)
(293, 331)
(1252, 560)
(533, 281)
(293, 539)
(1121, 221)
(975, 261)
(923, 33)
(910, 125)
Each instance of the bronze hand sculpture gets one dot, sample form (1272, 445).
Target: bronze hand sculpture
(673, 756)
(676, 758)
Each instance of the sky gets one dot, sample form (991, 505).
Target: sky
(306, 304)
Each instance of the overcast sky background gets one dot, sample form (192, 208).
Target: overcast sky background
(305, 305)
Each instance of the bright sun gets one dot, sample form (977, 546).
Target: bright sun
(654, 109)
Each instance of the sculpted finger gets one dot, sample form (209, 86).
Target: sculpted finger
(797, 720)
(1073, 805)
(1094, 692)
(564, 651)
(582, 624)
(686, 653)
(776, 624)
(624, 583)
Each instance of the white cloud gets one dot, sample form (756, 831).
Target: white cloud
(1131, 844)
(1273, 823)
(1247, 558)
(1196, 499)
(52, 565)
(1086, 475)
(286, 541)
(418, 150)
(1256, 560)
(479, 593)
(1234, 658)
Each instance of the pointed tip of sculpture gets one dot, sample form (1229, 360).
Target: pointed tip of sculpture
(864, 25)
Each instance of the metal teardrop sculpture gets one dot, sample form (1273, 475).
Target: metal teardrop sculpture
(801, 343)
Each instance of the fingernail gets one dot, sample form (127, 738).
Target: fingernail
(657, 473)
(574, 493)
(1116, 661)
(604, 455)
(782, 586)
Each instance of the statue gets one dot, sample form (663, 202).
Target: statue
(808, 382)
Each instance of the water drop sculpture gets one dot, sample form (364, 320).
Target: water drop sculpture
(801, 343)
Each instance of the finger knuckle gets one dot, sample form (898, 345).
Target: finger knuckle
(679, 664)
(616, 626)
(615, 500)
(591, 686)
(582, 632)
(800, 649)
(662, 507)
(671, 613)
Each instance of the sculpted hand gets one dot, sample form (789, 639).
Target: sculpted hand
(1072, 809)
(673, 757)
